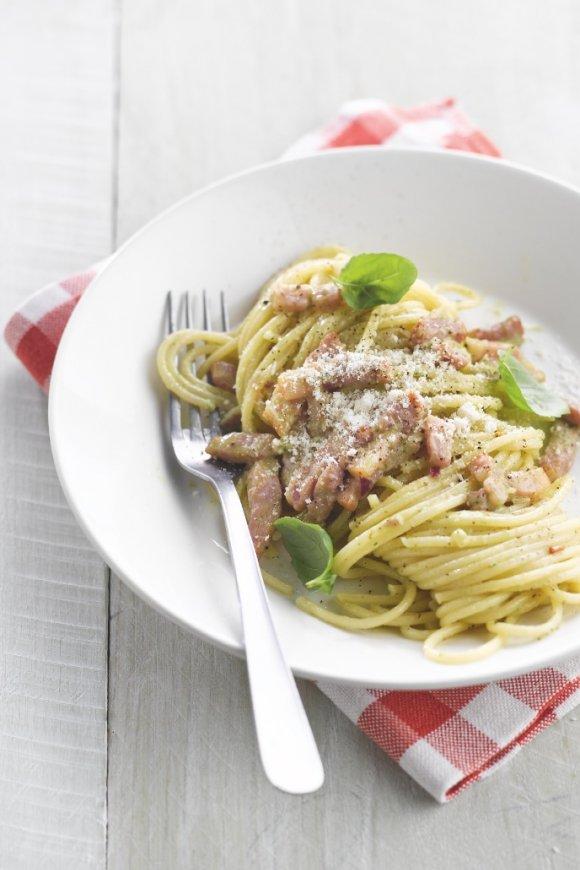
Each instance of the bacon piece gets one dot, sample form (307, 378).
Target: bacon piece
(351, 493)
(496, 488)
(364, 435)
(384, 453)
(300, 487)
(477, 500)
(439, 441)
(397, 440)
(241, 448)
(264, 500)
(481, 466)
(329, 346)
(295, 298)
(291, 298)
(404, 414)
(560, 451)
(356, 370)
(433, 326)
(293, 385)
(451, 352)
(511, 330)
(337, 367)
(573, 418)
(284, 406)
(316, 417)
(480, 348)
(329, 477)
(327, 297)
(289, 466)
(528, 483)
(223, 374)
(281, 414)
(303, 477)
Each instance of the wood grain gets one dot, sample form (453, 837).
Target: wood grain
(56, 157)
(186, 790)
(206, 89)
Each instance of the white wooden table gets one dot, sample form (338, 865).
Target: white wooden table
(124, 742)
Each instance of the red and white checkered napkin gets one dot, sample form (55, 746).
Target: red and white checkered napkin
(444, 739)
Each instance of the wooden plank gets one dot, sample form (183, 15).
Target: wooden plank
(186, 790)
(56, 159)
(209, 88)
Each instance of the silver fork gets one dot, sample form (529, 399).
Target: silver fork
(287, 748)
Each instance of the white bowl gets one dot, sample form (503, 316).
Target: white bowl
(494, 226)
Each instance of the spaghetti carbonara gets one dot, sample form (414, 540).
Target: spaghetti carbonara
(412, 451)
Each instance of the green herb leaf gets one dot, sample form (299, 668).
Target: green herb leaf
(525, 392)
(373, 279)
(311, 551)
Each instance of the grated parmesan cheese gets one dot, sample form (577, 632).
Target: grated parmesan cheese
(341, 409)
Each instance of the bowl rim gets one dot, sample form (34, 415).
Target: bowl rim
(450, 677)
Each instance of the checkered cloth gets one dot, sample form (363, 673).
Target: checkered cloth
(444, 739)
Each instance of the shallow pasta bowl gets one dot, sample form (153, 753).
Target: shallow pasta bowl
(497, 227)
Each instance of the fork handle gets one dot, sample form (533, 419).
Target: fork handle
(287, 748)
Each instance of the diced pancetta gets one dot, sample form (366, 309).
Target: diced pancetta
(433, 326)
(382, 455)
(481, 466)
(496, 488)
(451, 352)
(327, 297)
(241, 448)
(296, 298)
(404, 414)
(560, 453)
(355, 370)
(511, 330)
(477, 500)
(528, 483)
(264, 501)
(329, 476)
(350, 494)
(223, 374)
(439, 441)
(291, 298)
(479, 348)
(280, 413)
(293, 385)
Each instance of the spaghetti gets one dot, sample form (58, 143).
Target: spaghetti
(439, 496)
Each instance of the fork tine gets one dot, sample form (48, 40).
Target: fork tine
(169, 313)
(206, 314)
(174, 406)
(195, 427)
(213, 417)
(224, 312)
(188, 311)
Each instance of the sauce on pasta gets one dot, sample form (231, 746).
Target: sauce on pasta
(387, 427)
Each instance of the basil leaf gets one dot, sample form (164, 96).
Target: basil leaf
(525, 392)
(373, 279)
(311, 551)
